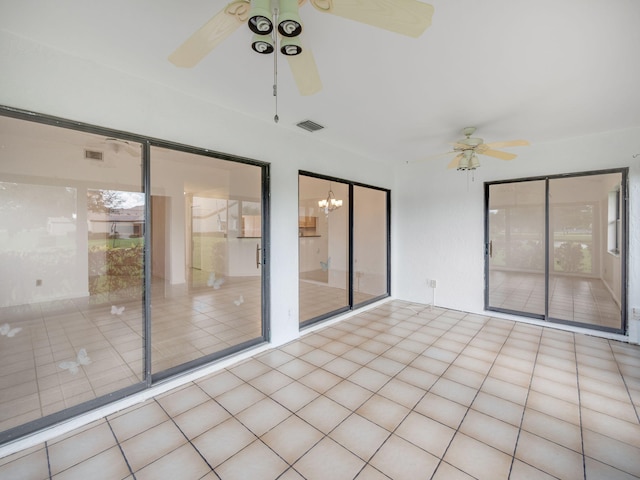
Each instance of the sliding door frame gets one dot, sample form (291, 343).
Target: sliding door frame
(624, 198)
(350, 248)
(149, 379)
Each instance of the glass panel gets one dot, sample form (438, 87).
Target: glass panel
(369, 244)
(71, 253)
(206, 230)
(324, 247)
(584, 276)
(517, 246)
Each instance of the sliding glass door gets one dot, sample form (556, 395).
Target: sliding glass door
(556, 249)
(206, 258)
(124, 261)
(343, 231)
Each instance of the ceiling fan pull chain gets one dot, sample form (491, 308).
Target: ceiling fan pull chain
(275, 63)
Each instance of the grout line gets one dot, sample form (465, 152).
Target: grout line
(120, 448)
(575, 353)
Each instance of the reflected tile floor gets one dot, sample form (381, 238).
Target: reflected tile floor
(401, 391)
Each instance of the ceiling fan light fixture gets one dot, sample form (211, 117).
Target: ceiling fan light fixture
(260, 17)
(474, 163)
(289, 23)
(262, 44)
(290, 46)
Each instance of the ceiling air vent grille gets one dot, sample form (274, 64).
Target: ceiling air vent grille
(94, 155)
(310, 126)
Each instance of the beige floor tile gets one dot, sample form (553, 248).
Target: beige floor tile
(33, 465)
(348, 394)
(454, 391)
(553, 429)
(477, 459)
(271, 382)
(441, 409)
(609, 451)
(595, 469)
(292, 438)
(239, 398)
(429, 435)
(418, 378)
(296, 368)
(255, 461)
(369, 378)
(522, 471)
(622, 410)
(320, 380)
(549, 457)
(137, 420)
(323, 414)
(184, 463)
(448, 472)
(77, 448)
(182, 400)
(295, 396)
(263, 416)
(360, 436)
(370, 473)
(625, 432)
(553, 406)
(491, 431)
(290, 474)
(383, 412)
(399, 459)
(152, 444)
(223, 441)
(402, 392)
(201, 418)
(495, 407)
(107, 465)
(219, 383)
(343, 465)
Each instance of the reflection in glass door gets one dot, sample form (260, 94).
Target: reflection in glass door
(71, 257)
(516, 225)
(344, 246)
(584, 276)
(323, 230)
(207, 258)
(370, 244)
(556, 248)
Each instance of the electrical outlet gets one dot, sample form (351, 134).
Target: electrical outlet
(432, 283)
(635, 313)
(38, 283)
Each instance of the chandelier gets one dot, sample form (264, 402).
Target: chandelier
(330, 203)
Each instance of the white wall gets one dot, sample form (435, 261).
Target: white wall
(438, 230)
(37, 78)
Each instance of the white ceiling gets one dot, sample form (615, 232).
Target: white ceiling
(542, 71)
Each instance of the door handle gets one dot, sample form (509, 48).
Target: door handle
(257, 255)
(490, 249)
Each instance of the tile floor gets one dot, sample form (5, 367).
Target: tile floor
(575, 299)
(401, 391)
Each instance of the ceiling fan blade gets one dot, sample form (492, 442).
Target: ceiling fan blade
(305, 72)
(407, 17)
(509, 143)
(211, 34)
(455, 162)
(497, 154)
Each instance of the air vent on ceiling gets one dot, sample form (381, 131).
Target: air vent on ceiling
(94, 155)
(310, 126)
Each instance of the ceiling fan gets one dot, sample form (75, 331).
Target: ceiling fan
(406, 17)
(468, 149)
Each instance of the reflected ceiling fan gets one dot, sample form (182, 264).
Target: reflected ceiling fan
(406, 17)
(468, 149)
